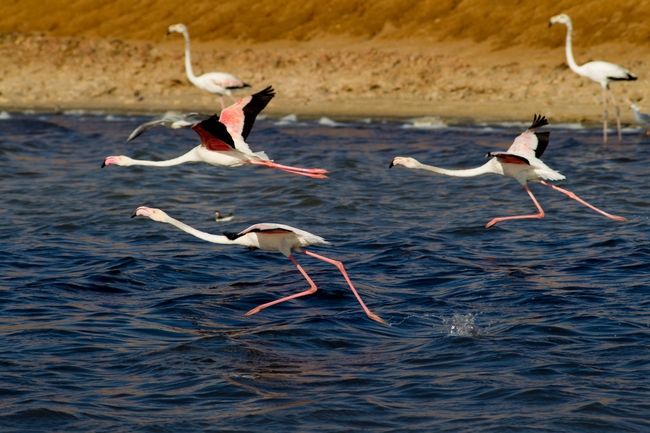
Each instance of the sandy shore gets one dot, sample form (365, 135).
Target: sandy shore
(339, 76)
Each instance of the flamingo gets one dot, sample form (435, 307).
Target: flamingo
(217, 83)
(520, 162)
(642, 119)
(170, 120)
(222, 141)
(598, 71)
(268, 237)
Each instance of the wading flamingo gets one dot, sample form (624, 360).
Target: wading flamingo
(222, 141)
(520, 162)
(170, 121)
(268, 237)
(217, 83)
(598, 71)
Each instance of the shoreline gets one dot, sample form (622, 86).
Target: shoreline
(461, 82)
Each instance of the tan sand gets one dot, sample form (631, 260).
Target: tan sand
(465, 61)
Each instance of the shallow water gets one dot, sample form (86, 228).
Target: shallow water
(116, 324)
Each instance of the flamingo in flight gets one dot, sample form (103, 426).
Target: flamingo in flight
(170, 121)
(598, 71)
(520, 162)
(222, 141)
(268, 237)
(217, 83)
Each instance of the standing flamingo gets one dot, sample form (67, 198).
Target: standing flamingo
(520, 162)
(598, 71)
(217, 83)
(268, 237)
(222, 141)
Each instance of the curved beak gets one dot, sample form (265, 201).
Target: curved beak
(391, 165)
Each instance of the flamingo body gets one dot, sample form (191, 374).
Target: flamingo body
(598, 71)
(267, 237)
(223, 141)
(520, 162)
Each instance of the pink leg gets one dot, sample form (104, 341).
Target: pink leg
(578, 199)
(318, 173)
(605, 115)
(618, 115)
(311, 290)
(339, 265)
(313, 287)
(540, 215)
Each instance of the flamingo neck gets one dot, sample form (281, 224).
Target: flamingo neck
(488, 167)
(191, 156)
(216, 239)
(188, 58)
(569, 50)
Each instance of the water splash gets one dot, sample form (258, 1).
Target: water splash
(463, 325)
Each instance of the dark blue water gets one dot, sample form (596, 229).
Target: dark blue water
(113, 324)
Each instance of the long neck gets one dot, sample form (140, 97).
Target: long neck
(217, 239)
(569, 50)
(191, 156)
(188, 59)
(488, 167)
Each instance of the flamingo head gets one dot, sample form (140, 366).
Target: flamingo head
(117, 160)
(406, 161)
(153, 213)
(562, 19)
(177, 28)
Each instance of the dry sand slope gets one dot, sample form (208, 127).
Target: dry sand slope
(461, 59)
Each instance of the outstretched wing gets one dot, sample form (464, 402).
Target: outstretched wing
(531, 143)
(214, 135)
(240, 117)
(142, 128)
(273, 228)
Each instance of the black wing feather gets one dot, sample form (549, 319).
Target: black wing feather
(258, 102)
(542, 141)
(218, 130)
(538, 122)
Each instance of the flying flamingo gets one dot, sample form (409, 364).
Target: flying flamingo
(222, 141)
(171, 121)
(598, 71)
(268, 237)
(217, 83)
(519, 162)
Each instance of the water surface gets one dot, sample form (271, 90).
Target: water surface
(114, 324)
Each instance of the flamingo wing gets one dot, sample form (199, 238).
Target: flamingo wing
(225, 80)
(508, 158)
(531, 143)
(240, 117)
(273, 228)
(214, 135)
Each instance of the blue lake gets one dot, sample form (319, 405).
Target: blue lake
(113, 324)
